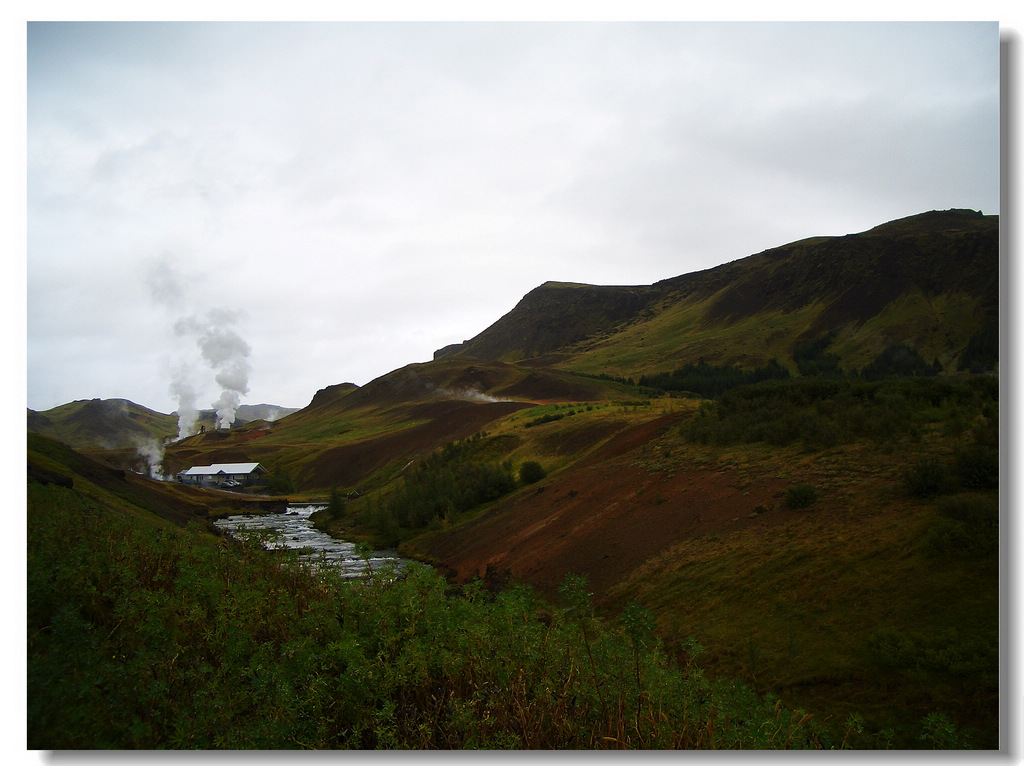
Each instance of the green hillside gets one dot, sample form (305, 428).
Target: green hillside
(834, 542)
(145, 635)
(102, 423)
(109, 424)
(790, 463)
(931, 280)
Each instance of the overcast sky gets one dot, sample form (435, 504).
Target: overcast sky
(278, 207)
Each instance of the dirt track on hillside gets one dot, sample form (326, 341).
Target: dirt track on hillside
(606, 518)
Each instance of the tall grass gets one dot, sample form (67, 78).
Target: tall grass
(147, 639)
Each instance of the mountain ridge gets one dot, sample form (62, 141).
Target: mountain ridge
(931, 279)
(934, 253)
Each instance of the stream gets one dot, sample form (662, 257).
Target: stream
(294, 530)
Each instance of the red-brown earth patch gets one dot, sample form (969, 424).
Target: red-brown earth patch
(605, 518)
(447, 421)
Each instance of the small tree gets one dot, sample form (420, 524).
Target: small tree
(280, 482)
(336, 505)
(531, 471)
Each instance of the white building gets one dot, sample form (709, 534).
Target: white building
(226, 475)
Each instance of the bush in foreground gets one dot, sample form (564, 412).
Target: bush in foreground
(145, 638)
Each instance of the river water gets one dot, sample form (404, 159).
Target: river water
(293, 529)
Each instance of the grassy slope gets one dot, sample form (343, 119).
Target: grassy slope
(929, 280)
(797, 606)
(791, 606)
(657, 345)
(582, 428)
(358, 439)
(793, 601)
(143, 636)
(99, 423)
(165, 503)
(939, 326)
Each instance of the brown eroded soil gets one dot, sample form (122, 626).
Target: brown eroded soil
(606, 517)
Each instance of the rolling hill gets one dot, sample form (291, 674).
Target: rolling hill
(932, 279)
(111, 424)
(102, 423)
(829, 534)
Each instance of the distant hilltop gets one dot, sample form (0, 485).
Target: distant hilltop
(120, 423)
(896, 281)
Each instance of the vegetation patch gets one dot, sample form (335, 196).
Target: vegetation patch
(794, 610)
(967, 527)
(444, 485)
(531, 472)
(139, 639)
(550, 417)
(801, 496)
(825, 413)
(710, 381)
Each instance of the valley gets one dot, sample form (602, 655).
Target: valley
(828, 534)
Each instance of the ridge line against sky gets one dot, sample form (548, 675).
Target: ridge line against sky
(346, 198)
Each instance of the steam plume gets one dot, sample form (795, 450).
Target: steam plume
(221, 347)
(227, 353)
(188, 414)
(153, 453)
(469, 395)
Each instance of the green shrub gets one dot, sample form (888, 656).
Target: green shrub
(826, 412)
(942, 734)
(978, 510)
(551, 417)
(711, 381)
(982, 352)
(531, 472)
(893, 649)
(280, 482)
(820, 432)
(946, 651)
(899, 361)
(949, 538)
(801, 496)
(446, 483)
(812, 360)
